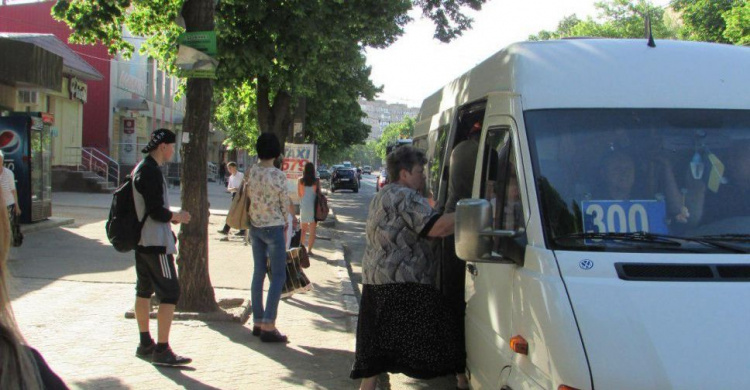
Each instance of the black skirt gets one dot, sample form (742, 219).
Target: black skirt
(407, 328)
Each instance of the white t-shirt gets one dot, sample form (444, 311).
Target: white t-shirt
(235, 181)
(8, 184)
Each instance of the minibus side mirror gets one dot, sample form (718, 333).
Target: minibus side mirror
(474, 234)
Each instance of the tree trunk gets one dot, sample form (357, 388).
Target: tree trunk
(273, 117)
(197, 291)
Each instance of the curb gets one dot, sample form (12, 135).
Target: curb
(350, 293)
(49, 223)
(230, 310)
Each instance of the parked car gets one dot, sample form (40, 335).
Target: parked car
(344, 178)
(324, 174)
(382, 180)
(367, 170)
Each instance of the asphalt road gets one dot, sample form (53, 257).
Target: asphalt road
(351, 218)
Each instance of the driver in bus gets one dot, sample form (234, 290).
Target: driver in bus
(618, 174)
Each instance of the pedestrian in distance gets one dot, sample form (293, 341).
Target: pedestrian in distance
(21, 367)
(269, 204)
(405, 324)
(307, 189)
(236, 180)
(154, 256)
(8, 189)
(222, 173)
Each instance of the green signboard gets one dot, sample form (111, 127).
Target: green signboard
(204, 41)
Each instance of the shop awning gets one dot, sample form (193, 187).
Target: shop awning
(73, 64)
(29, 65)
(133, 104)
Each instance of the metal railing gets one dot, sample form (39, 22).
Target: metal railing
(93, 160)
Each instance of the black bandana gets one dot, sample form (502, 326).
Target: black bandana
(159, 136)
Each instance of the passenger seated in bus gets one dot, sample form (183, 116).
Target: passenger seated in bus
(728, 197)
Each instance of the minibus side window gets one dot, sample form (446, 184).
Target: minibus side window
(435, 157)
(500, 180)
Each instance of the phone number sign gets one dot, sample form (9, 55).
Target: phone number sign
(295, 158)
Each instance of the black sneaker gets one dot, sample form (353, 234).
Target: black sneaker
(145, 351)
(241, 233)
(168, 358)
(222, 231)
(273, 336)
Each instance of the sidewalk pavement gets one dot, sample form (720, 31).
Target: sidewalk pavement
(72, 290)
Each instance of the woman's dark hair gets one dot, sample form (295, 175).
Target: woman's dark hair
(268, 146)
(403, 157)
(308, 176)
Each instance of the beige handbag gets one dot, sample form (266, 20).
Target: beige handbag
(238, 216)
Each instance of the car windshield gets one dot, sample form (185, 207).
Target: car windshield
(607, 175)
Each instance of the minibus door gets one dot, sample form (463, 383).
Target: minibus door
(489, 283)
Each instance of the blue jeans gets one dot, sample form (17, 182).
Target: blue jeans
(268, 243)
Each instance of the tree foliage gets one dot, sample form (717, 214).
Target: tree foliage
(393, 132)
(292, 48)
(616, 19)
(725, 21)
(235, 115)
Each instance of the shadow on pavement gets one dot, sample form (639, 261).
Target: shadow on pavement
(176, 375)
(100, 383)
(309, 366)
(68, 254)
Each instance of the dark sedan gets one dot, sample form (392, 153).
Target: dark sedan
(344, 178)
(324, 174)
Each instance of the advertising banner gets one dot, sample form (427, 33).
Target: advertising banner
(195, 56)
(293, 165)
(14, 142)
(128, 142)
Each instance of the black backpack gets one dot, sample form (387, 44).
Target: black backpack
(123, 226)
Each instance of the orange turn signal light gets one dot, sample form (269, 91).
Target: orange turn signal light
(519, 345)
(566, 387)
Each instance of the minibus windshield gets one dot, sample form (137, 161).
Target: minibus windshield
(643, 180)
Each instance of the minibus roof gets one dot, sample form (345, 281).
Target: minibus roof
(606, 73)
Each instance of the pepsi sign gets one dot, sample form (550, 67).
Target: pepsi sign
(10, 141)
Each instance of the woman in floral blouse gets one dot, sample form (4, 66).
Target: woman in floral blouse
(405, 324)
(266, 186)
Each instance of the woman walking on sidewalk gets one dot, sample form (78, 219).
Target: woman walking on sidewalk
(268, 216)
(307, 189)
(405, 324)
(21, 367)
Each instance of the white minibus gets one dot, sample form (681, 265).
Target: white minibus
(607, 234)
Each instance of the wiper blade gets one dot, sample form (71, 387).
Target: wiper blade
(644, 237)
(633, 237)
(726, 237)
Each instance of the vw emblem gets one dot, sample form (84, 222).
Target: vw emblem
(586, 264)
(9, 141)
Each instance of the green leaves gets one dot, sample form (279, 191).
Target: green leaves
(311, 49)
(394, 131)
(726, 21)
(617, 19)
